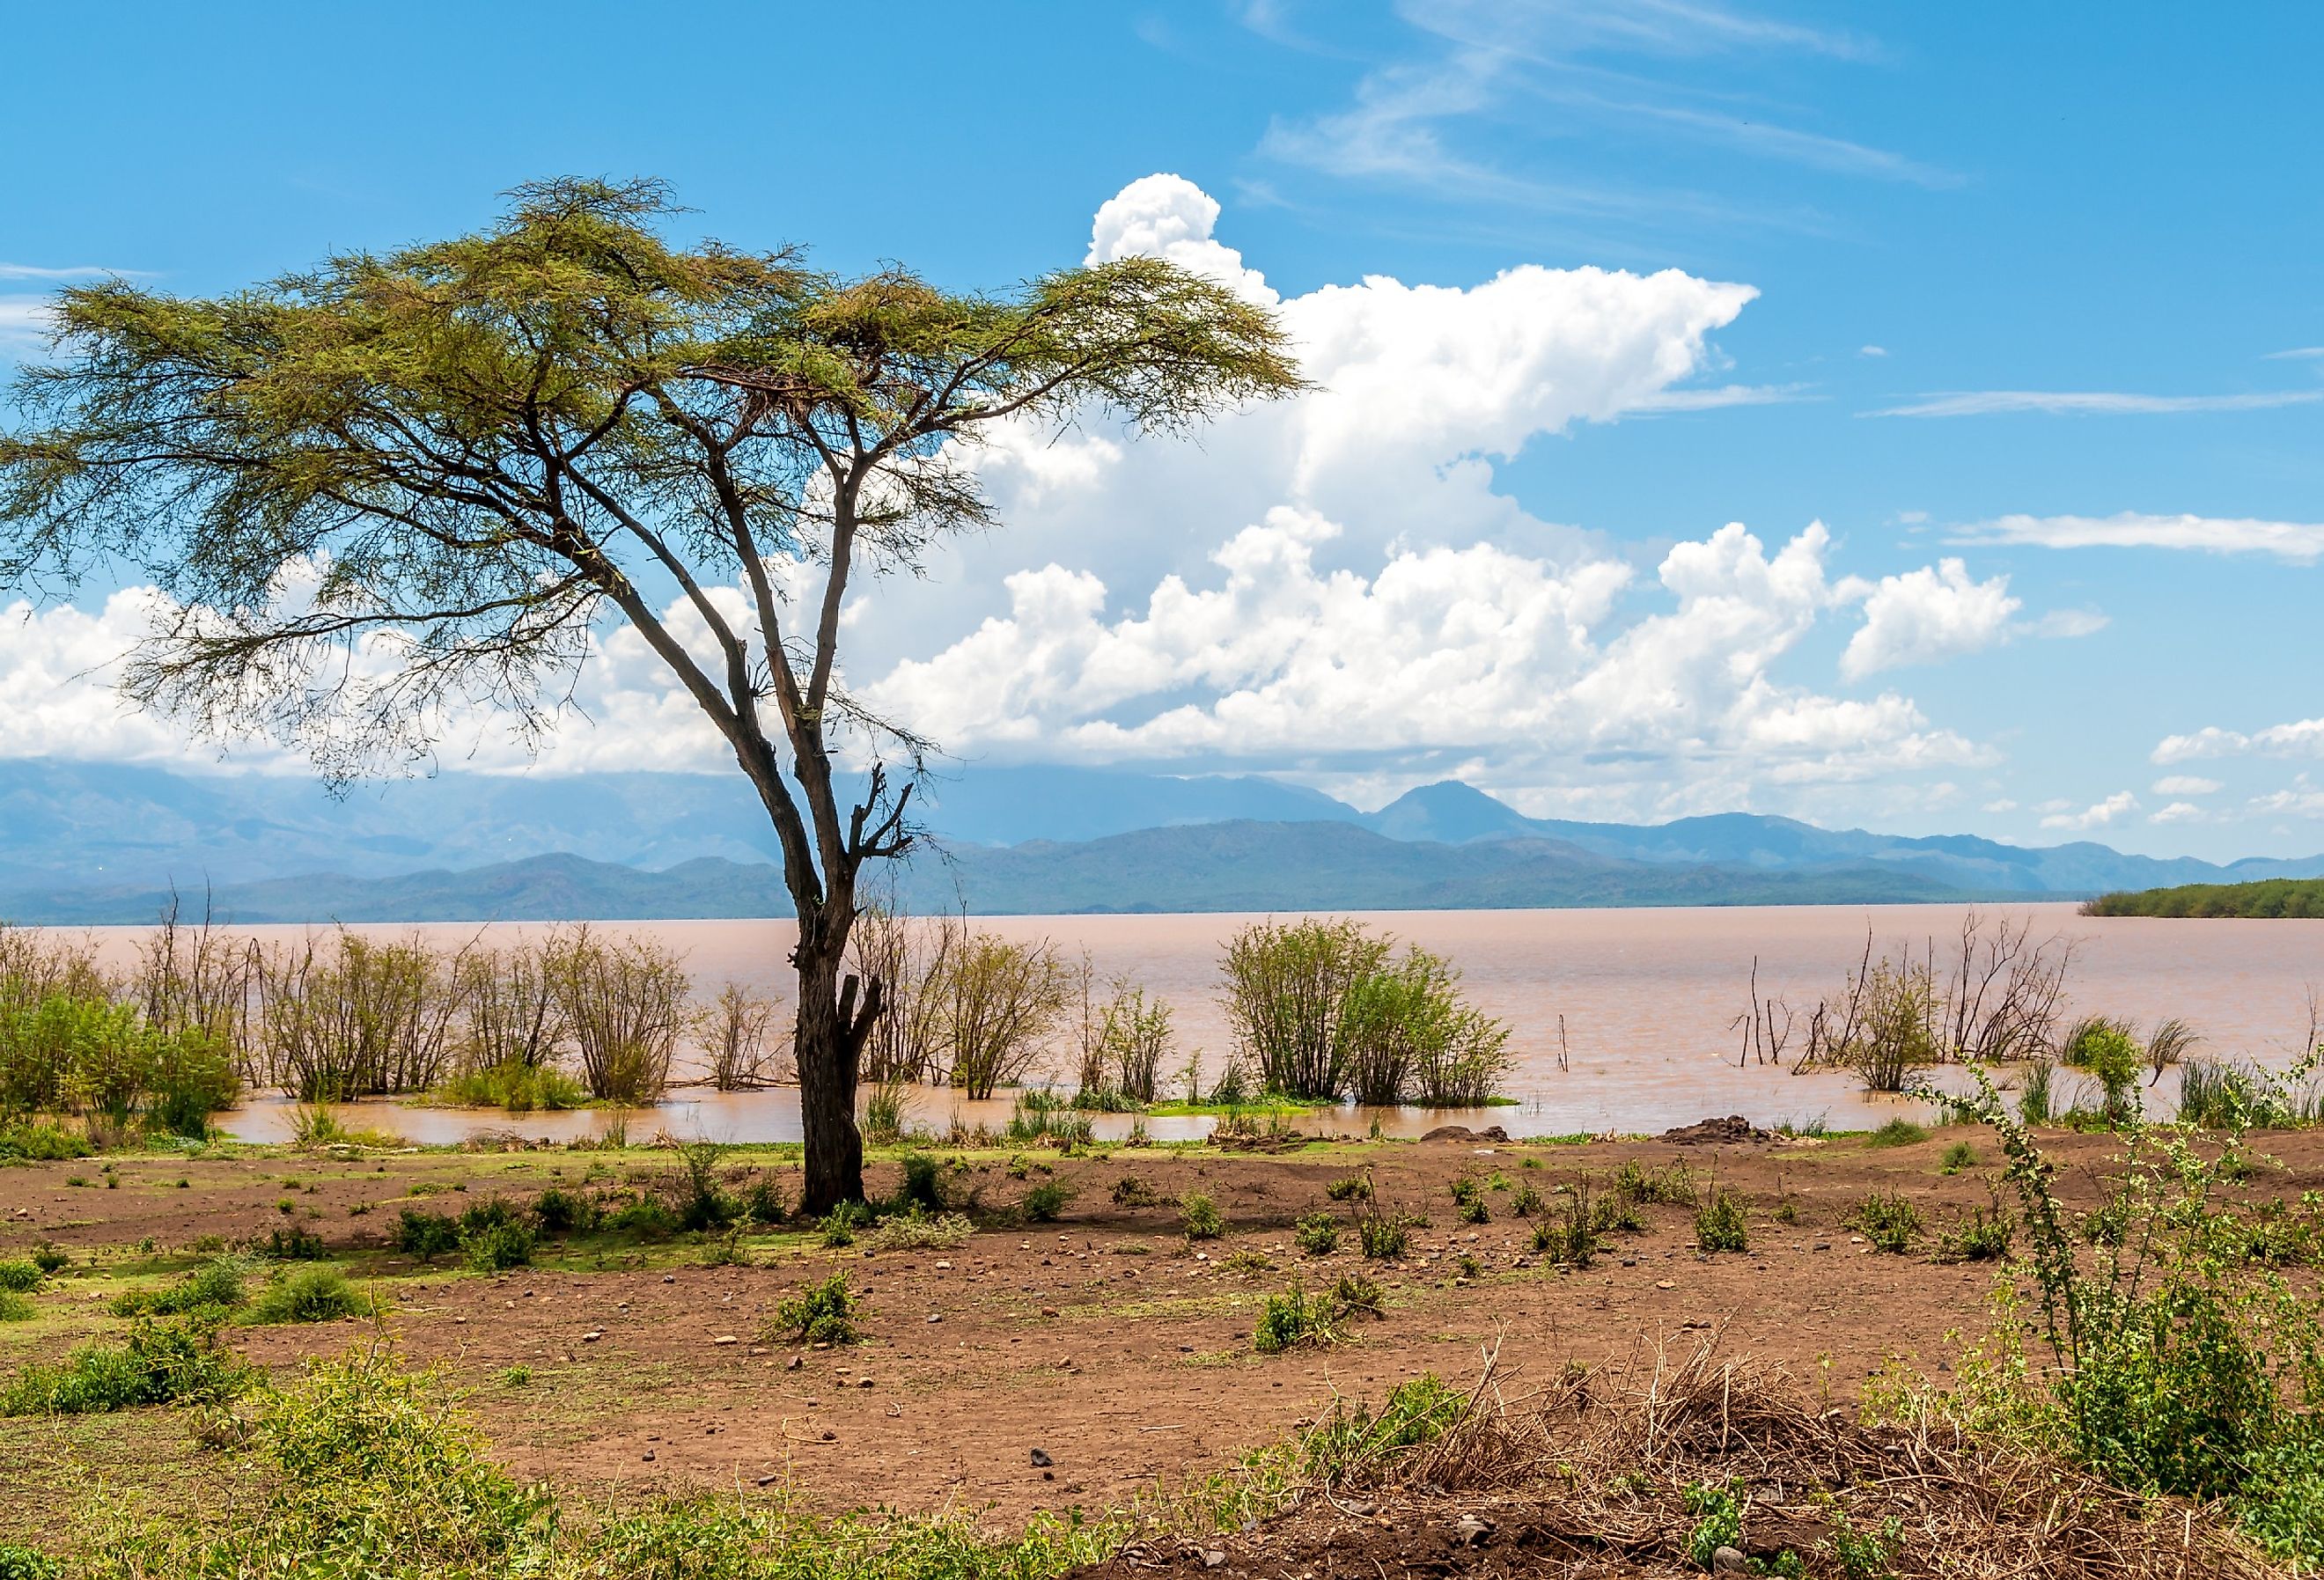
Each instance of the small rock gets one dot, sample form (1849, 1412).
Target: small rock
(1212, 1559)
(725, 1338)
(794, 1362)
(764, 1481)
(1048, 1311)
(943, 1267)
(831, 1436)
(1041, 1460)
(649, 1456)
(669, 1278)
(1472, 1531)
(592, 1336)
(1665, 1284)
(864, 1382)
(936, 1316)
(1729, 1561)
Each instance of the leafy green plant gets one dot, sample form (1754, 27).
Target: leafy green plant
(15, 1307)
(1350, 1187)
(497, 1247)
(1526, 1201)
(290, 1244)
(920, 1230)
(1982, 1236)
(1672, 1185)
(424, 1234)
(49, 1258)
(839, 1225)
(518, 1375)
(215, 1286)
(1719, 1519)
(1863, 1555)
(1960, 1155)
(163, 1361)
(565, 1211)
(1469, 1202)
(317, 1292)
(1383, 1237)
(1891, 1222)
(1720, 1223)
(823, 1313)
(1044, 1203)
(1318, 1233)
(1293, 1318)
(20, 1277)
(1568, 1237)
(1199, 1217)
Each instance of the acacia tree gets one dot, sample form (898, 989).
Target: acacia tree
(398, 486)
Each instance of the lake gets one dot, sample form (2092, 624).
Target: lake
(1646, 997)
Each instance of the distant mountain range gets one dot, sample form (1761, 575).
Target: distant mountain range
(91, 843)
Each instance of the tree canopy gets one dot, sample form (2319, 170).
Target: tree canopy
(399, 486)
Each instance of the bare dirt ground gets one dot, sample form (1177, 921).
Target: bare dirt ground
(1106, 1341)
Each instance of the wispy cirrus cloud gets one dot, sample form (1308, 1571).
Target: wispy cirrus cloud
(2087, 403)
(2297, 353)
(2300, 738)
(69, 271)
(2300, 542)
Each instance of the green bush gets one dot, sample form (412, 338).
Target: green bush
(214, 1285)
(1892, 1223)
(1718, 1512)
(20, 1277)
(1351, 1188)
(1672, 1185)
(644, 1216)
(1291, 1318)
(1318, 1235)
(839, 1225)
(15, 1307)
(515, 1085)
(317, 1292)
(50, 1260)
(1960, 1155)
(1199, 1217)
(1568, 1237)
(164, 1360)
(565, 1211)
(40, 1142)
(1720, 1223)
(1469, 1203)
(824, 1314)
(290, 1244)
(424, 1234)
(497, 1247)
(1383, 1238)
(1982, 1236)
(21, 1563)
(1044, 1202)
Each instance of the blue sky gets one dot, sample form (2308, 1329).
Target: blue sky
(2047, 262)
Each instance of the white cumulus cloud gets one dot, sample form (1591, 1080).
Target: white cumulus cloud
(2119, 804)
(1937, 612)
(2301, 738)
(2186, 784)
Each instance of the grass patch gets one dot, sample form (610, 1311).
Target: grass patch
(164, 1360)
(1199, 1217)
(1898, 1133)
(1891, 1222)
(317, 1292)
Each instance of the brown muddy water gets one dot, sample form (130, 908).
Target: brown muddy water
(1647, 998)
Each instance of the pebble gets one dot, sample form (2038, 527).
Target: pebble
(1041, 1460)
(669, 1278)
(1665, 1284)
(648, 1455)
(936, 1316)
(1212, 1559)
(1729, 1561)
(592, 1336)
(725, 1338)
(794, 1362)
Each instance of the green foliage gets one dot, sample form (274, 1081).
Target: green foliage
(368, 1470)
(1891, 1222)
(565, 1211)
(1199, 1217)
(1318, 1233)
(15, 1307)
(839, 1225)
(1350, 1187)
(1671, 1184)
(646, 1217)
(495, 1247)
(29, 1140)
(1384, 1238)
(78, 1052)
(1982, 1236)
(922, 1185)
(1355, 1439)
(1044, 1202)
(1526, 1200)
(49, 1258)
(1325, 1008)
(424, 1234)
(2268, 897)
(1567, 1235)
(22, 1562)
(216, 1286)
(762, 1202)
(317, 1292)
(1719, 1519)
(1293, 1317)
(517, 1086)
(1863, 1555)
(703, 1203)
(2034, 1097)
(20, 1277)
(1960, 1155)
(917, 1229)
(1898, 1133)
(1720, 1223)
(1469, 1202)
(824, 1314)
(163, 1361)
(517, 1376)
(291, 1243)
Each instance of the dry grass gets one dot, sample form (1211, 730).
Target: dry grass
(1588, 1474)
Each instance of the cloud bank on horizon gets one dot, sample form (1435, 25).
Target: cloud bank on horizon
(1339, 588)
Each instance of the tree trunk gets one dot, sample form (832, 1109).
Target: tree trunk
(827, 1049)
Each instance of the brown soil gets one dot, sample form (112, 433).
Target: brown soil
(1105, 1341)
